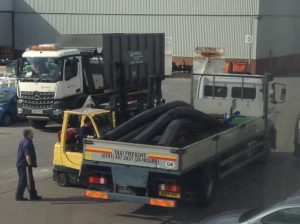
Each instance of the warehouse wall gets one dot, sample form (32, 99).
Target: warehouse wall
(6, 26)
(278, 38)
(33, 29)
(278, 28)
(6, 5)
(186, 32)
(141, 7)
(6, 29)
(220, 23)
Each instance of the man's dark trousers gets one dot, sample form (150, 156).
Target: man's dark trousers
(25, 180)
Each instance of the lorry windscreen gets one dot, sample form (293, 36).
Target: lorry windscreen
(41, 69)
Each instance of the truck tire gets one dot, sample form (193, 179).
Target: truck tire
(37, 124)
(206, 184)
(7, 119)
(296, 138)
(63, 180)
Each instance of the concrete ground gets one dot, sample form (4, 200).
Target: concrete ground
(253, 186)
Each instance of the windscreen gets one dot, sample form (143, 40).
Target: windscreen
(41, 69)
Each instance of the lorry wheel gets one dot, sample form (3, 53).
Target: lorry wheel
(7, 119)
(37, 124)
(206, 184)
(63, 180)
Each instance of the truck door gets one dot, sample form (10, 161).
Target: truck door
(72, 77)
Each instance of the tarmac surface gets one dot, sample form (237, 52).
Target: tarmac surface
(253, 186)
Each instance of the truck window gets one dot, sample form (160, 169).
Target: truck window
(96, 72)
(71, 68)
(218, 91)
(248, 93)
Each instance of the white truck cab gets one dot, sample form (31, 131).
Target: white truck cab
(48, 74)
(114, 69)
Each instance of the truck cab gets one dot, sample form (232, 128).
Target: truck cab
(122, 72)
(50, 80)
(68, 156)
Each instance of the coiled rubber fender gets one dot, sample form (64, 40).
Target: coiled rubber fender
(179, 127)
(142, 118)
(132, 134)
(159, 124)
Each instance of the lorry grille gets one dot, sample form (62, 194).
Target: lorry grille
(37, 100)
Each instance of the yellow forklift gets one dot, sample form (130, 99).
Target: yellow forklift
(68, 156)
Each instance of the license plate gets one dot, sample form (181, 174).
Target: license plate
(37, 111)
(169, 194)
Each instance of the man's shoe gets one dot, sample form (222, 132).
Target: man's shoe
(21, 199)
(36, 198)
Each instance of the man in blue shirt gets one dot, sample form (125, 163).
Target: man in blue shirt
(26, 159)
(86, 129)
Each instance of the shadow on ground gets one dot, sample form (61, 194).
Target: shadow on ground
(254, 186)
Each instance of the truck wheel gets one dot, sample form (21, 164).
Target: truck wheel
(7, 119)
(37, 124)
(63, 180)
(206, 185)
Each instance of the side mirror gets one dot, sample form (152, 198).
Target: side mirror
(279, 93)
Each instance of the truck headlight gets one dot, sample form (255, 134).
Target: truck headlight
(20, 110)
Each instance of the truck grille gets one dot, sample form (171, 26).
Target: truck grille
(37, 100)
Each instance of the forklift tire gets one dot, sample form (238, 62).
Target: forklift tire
(206, 184)
(63, 180)
(38, 124)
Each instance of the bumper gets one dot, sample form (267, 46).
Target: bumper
(40, 114)
(124, 197)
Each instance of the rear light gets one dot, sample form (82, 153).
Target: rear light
(97, 180)
(169, 188)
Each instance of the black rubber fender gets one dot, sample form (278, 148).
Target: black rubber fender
(198, 117)
(176, 128)
(142, 118)
(132, 134)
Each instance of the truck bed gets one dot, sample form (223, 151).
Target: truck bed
(168, 159)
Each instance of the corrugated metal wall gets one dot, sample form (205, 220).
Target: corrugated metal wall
(190, 23)
(6, 5)
(278, 28)
(186, 32)
(6, 29)
(155, 7)
(279, 7)
(6, 8)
